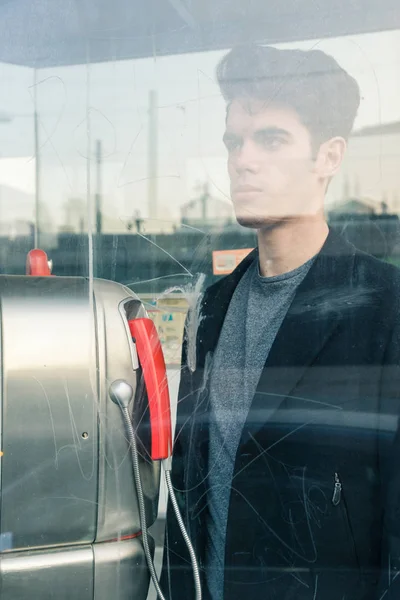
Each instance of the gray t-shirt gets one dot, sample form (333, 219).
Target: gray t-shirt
(255, 314)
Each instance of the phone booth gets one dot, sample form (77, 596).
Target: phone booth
(70, 512)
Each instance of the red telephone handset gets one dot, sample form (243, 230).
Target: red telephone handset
(37, 263)
(151, 359)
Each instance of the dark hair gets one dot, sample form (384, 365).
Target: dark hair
(324, 95)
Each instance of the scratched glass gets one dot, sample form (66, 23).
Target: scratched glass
(247, 202)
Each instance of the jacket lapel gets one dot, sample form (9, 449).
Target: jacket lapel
(214, 308)
(312, 318)
(213, 311)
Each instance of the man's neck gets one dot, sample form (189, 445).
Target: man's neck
(288, 245)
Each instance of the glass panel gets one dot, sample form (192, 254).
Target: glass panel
(253, 217)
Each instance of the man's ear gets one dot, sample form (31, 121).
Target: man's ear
(330, 156)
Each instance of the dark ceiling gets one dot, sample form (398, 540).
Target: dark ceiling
(40, 33)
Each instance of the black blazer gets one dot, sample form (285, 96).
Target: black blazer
(325, 412)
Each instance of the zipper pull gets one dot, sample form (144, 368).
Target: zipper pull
(337, 492)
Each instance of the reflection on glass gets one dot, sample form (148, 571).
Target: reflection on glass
(286, 444)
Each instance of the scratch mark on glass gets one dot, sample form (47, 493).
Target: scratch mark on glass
(316, 587)
(165, 252)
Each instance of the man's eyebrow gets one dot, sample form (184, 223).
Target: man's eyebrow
(272, 131)
(265, 131)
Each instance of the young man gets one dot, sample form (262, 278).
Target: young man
(286, 446)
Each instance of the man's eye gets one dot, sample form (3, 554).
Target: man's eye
(272, 143)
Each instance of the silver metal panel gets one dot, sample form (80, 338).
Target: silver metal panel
(120, 571)
(48, 575)
(66, 470)
(118, 509)
(50, 412)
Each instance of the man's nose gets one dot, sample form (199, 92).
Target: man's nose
(247, 159)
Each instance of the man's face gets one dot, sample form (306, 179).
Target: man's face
(270, 164)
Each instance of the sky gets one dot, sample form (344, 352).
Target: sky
(109, 102)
